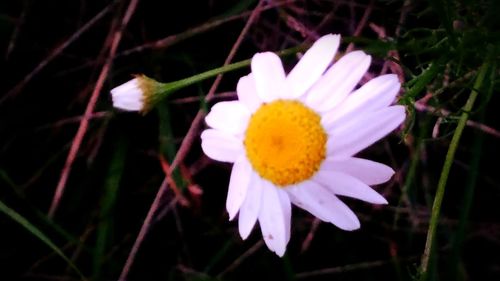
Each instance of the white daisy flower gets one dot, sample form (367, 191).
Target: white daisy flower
(292, 139)
(136, 94)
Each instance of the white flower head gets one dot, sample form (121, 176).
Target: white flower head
(292, 139)
(136, 95)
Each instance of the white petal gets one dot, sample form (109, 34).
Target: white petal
(221, 146)
(323, 204)
(228, 116)
(338, 81)
(287, 211)
(269, 75)
(238, 185)
(247, 93)
(128, 104)
(305, 200)
(128, 96)
(346, 185)
(250, 208)
(130, 87)
(376, 94)
(272, 219)
(348, 139)
(312, 65)
(369, 172)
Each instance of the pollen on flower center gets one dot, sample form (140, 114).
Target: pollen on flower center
(285, 142)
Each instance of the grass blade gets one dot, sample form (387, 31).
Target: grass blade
(38, 234)
(450, 155)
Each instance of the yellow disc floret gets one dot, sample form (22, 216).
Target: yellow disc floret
(285, 142)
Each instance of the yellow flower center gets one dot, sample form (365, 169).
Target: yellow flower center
(285, 142)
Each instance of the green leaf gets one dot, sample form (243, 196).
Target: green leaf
(38, 234)
(108, 199)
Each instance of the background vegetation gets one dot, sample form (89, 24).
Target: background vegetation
(58, 131)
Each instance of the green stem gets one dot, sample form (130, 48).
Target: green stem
(450, 155)
(170, 87)
(419, 83)
(176, 85)
(471, 183)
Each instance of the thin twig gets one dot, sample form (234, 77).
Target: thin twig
(361, 24)
(15, 34)
(65, 248)
(310, 235)
(82, 129)
(190, 135)
(402, 16)
(175, 38)
(170, 207)
(389, 64)
(255, 247)
(295, 24)
(58, 50)
(165, 166)
(181, 153)
(421, 106)
(346, 268)
(326, 20)
(75, 119)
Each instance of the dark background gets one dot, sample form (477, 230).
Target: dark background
(118, 170)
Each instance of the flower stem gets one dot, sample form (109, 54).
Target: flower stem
(170, 87)
(179, 84)
(450, 155)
